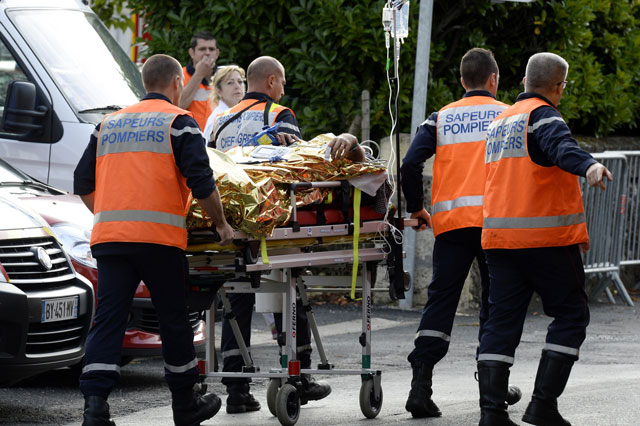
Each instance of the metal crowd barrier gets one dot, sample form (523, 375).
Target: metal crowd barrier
(605, 213)
(631, 239)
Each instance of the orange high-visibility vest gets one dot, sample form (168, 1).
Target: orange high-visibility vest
(527, 205)
(200, 106)
(140, 194)
(244, 127)
(458, 169)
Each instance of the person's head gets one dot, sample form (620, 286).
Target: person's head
(228, 85)
(203, 44)
(546, 75)
(479, 71)
(266, 75)
(163, 74)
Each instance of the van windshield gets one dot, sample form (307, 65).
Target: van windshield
(85, 61)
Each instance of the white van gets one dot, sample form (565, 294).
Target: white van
(79, 73)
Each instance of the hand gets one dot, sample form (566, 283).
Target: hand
(286, 139)
(226, 233)
(584, 247)
(596, 173)
(341, 146)
(204, 68)
(422, 214)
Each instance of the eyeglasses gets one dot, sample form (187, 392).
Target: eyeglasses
(564, 84)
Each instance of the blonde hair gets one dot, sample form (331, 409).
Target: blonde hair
(216, 81)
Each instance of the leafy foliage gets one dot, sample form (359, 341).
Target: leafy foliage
(112, 13)
(334, 49)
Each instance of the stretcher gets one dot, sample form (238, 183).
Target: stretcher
(275, 264)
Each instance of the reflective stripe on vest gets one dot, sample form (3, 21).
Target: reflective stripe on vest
(141, 196)
(244, 127)
(136, 132)
(506, 139)
(140, 216)
(533, 222)
(445, 206)
(458, 168)
(527, 205)
(201, 94)
(200, 106)
(467, 123)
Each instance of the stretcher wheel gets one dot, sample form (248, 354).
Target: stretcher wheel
(288, 405)
(272, 393)
(369, 405)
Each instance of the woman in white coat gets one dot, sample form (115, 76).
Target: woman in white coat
(228, 89)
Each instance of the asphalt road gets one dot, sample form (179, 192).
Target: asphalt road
(604, 388)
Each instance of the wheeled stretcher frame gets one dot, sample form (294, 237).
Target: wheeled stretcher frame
(242, 272)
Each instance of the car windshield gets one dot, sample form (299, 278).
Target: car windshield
(85, 61)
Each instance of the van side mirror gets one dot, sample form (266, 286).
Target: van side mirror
(20, 114)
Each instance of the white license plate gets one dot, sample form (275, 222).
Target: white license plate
(59, 309)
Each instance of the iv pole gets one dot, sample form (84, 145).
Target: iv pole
(399, 279)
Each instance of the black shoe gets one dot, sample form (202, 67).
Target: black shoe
(514, 394)
(96, 412)
(191, 408)
(419, 403)
(313, 390)
(493, 382)
(240, 399)
(551, 379)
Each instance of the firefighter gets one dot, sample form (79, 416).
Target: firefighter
(135, 176)
(455, 134)
(533, 230)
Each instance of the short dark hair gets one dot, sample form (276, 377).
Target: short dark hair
(202, 35)
(159, 71)
(476, 67)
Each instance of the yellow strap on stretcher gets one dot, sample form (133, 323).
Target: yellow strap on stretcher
(263, 251)
(356, 238)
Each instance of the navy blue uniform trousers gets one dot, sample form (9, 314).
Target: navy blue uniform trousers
(164, 270)
(557, 275)
(242, 307)
(453, 255)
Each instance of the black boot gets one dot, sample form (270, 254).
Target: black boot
(514, 394)
(313, 390)
(96, 412)
(191, 408)
(493, 381)
(553, 373)
(419, 403)
(240, 399)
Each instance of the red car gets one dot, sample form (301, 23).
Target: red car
(71, 222)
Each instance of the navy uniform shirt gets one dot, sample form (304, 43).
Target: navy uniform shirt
(549, 143)
(549, 140)
(190, 156)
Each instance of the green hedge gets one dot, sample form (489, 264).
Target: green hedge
(333, 49)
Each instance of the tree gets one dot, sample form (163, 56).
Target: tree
(112, 13)
(333, 49)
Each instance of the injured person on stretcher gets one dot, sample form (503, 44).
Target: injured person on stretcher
(278, 199)
(255, 182)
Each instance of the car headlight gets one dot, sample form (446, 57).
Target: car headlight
(75, 240)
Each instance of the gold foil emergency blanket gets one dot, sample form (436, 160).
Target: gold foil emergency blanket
(256, 196)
